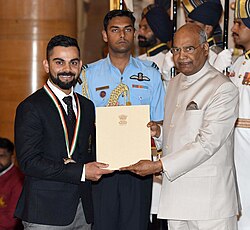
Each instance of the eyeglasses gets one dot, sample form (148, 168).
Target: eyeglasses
(185, 49)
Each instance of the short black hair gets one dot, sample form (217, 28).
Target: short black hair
(117, 13)
(7, 144)
(61, 40)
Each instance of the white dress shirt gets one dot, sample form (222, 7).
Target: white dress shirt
(60, 95)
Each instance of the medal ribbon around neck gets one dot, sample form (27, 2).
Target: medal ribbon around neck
(71, 149)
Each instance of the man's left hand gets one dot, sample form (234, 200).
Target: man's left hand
(144, 167)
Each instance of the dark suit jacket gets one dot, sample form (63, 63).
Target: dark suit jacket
(52, 189)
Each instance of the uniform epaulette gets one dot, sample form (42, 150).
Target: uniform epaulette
(155, 66)
(149, 64)
(85, 67)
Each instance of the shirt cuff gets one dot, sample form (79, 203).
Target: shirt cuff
(164, 171)
(158, 140)
(83, 174)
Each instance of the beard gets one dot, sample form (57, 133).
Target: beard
(147, 42)
(64, 85)
(3, 167)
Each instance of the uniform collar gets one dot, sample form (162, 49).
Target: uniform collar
(131, 62)
(247, 55)
(211, 41)
(157, 49)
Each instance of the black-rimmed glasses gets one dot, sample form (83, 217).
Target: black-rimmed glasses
(185, 49)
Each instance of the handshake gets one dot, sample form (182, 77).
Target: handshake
(147, 167)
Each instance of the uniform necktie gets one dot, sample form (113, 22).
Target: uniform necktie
(70, 111)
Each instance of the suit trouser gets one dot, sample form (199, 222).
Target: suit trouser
(220, 224)
(122, 202)
(78, 223)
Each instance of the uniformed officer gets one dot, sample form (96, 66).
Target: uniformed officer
(122, 200)
(240, 75)
(207, 14)
(155, 34)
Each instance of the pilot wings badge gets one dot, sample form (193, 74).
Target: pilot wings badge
(140, 77)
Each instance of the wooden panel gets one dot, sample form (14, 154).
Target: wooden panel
(25, 28)
(93, 47)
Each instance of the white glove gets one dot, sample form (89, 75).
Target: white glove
(223, 60)
(168, 63)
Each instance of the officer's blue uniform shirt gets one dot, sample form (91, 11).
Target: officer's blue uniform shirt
(143, 80)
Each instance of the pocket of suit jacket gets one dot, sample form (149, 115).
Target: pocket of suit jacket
(194, 120)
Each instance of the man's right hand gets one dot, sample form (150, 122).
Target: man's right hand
(154, 128)
(95, 170)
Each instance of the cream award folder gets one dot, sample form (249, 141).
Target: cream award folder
(122, 135)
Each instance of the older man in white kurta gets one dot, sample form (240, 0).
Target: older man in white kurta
(199, 188)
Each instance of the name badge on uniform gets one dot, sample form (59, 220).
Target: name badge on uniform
(102, 89)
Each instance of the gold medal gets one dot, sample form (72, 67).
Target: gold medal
(70, 148)
(68, 160)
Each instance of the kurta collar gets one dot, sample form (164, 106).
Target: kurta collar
(193, 78)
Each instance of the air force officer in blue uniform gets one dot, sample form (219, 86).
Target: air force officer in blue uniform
(122, 200)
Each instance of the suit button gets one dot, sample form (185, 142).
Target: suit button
(171, 125)
(166, 146)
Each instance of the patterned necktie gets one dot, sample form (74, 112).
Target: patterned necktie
(70, 111)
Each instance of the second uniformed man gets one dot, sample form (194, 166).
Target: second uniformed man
(122, 200)
(207, 14)
(155, 34)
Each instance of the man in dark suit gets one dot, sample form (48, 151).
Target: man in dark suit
(54, 137)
